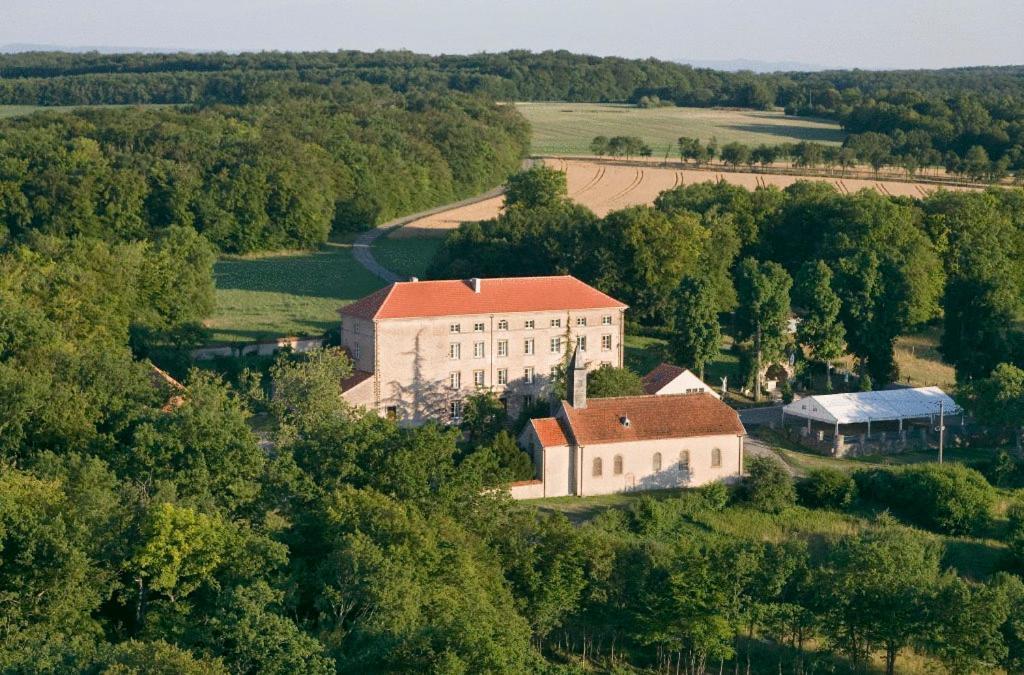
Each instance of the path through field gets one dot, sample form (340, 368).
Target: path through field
(605, 186)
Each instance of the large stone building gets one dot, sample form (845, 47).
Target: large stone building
(606, 445)
(420, 347)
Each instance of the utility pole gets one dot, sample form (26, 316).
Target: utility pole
(942, 429)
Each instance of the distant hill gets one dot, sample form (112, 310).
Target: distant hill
(21, 48)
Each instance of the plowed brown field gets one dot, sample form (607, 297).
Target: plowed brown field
(603, 187)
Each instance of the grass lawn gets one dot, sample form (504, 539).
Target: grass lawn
(920, 363)
(408, 256)
(298, 293)
(643, 353)
(567, 128)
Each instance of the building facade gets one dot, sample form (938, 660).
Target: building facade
(419, 348)
(608, 445)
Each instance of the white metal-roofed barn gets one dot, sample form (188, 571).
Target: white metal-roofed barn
(865, 408)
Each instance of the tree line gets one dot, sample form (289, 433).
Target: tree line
(860, 269)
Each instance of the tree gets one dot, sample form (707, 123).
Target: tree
(763, 314)
(820, 329)
(696, 335)
(483, 416)
(538, 186)
(767, 486)
(735, 154)
(599, 146)
(765, 155)
(826, 488)
(878, 591)
(690, 148)
(307, 387)
(998, 400)
(976, 163)
(609, 381)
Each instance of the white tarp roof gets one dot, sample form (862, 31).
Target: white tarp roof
(873, 406)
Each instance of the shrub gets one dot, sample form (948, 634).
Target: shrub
(767, 486)
(715, 495)
(949, 498)
(826, 488)
(1015, 531)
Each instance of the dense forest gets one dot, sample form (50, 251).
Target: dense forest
(146, 528)
(893, 264)
(269, 176)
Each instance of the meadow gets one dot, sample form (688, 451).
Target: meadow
(567, 128)
(299, 293)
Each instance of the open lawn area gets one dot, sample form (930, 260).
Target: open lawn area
(299, 293)
(644, 353)
(567, 128)
(15, 110)
(407, 256)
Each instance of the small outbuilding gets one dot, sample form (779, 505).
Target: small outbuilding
(670, 379)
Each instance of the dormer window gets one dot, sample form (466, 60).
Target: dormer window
(624, 421)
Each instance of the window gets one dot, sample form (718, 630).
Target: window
(684, 461)
(455, 410)
(597, 467)
(502, 347)
(356, 352)
(556, 345)
(455, 328)
(527, 400)
(554, 372)
(478, 378)
(617, 465)
(502, 376)
(581, 343)
(455, 379)
(478, 327)
(606, 320)
(528, 324)
(656, 461)
(502, 324)
(528, 375)
(716, 457)
(556, 323)
(391, 412)
(454, 350)
(528, 346)
(606, 343)
(478, 350)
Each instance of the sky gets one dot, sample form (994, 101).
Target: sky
(854, 33)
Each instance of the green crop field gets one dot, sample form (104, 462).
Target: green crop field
(16, 110)
(567, 128)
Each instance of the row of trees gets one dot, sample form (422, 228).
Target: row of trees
(872, 149)
(252, 178)
(867, 267)
(620, 146)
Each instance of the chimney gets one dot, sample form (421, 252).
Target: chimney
(576, 381)
(474, 283)
(414, 279)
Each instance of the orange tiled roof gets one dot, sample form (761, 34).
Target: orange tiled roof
(549, 431)
(650, 417)
(412, 299)
(660, 376)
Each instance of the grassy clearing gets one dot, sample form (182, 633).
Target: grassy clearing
(297, 293)
(407, 256)
(920, 362)
(643, 353)
(567, 128)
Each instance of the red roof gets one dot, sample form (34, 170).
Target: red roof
(411, 299)
(650, 417)
(660, 376)
(549, 431)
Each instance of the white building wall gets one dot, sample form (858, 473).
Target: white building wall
(413, 366)
(687, 383)
(638, 464)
